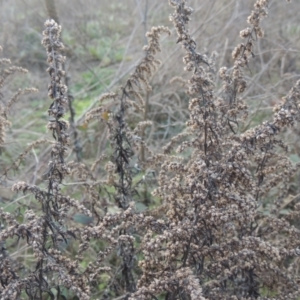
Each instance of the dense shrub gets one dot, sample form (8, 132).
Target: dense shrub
(213, 214)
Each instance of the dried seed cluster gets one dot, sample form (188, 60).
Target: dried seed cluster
(208, 239)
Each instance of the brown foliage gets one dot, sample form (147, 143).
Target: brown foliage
(208, 237)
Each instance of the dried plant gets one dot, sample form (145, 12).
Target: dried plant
(206, 234)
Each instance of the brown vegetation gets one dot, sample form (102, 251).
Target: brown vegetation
(210, 214)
